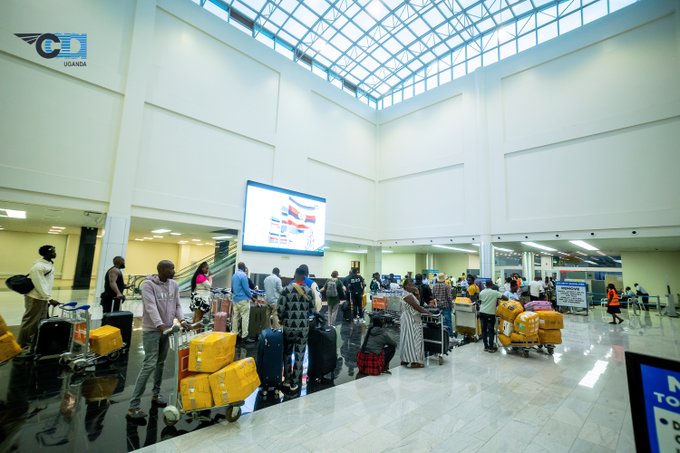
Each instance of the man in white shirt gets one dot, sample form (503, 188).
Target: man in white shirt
(42, 276)
(272, 291)
(536, 288)
(512, 294)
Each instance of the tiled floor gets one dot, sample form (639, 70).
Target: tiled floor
(574, 401)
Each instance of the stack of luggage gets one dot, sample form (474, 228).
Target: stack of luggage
(507, 311)
(214, 379)
(8, 346)
(549, 324)
(525, 328)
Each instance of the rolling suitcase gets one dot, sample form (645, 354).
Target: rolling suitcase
(435, 333)
(122, 320)
(322, 349)
(53, 338)
(258, 320)
(346, 308)
(270, 358)
(220, 322)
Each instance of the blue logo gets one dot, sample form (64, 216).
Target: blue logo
(72, 47)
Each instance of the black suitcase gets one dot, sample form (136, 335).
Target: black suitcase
(122, 320)
(322, 349)
(434, 333)
(270, 358)
(53, 338)
(346, 308)
(258, 320)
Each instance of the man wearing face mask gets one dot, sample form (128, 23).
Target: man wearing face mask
(112, 297)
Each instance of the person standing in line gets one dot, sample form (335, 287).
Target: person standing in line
(375, 283)
(160, 297)
(201, 284)
(613, 305)
(411, 331)
(536, 289)
(356, 289)
(294, 306)
(334, 290)
(472, 289)
(424, 290)
(272, 291)
(507, 284)
(313, 285)
(443, 294)
(36, 301)
(512, 293)
(487, 316)
(242, 295)
(114, 285)
(640, 291)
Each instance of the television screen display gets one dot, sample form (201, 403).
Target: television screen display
(283, 221)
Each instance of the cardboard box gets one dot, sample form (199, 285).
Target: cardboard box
(195, 392)
(235, 382)
(212, 351)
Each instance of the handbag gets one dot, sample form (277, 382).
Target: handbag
(21, 283)
(368, 363)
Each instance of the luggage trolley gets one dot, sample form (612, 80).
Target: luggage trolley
(524, 347)
(466, 321)
(179, 342)
(435, 336)
(79, 356)
(220, 302)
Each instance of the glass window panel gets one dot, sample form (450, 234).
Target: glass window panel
(377, 10)
(387, 101)
(520, 8)
(433, 17)
(459, 71)
(318, 6)
(242, 28)
(351, 9)
(370, 63)
(545, 16)
(440, 49)
(444, 62)
(288, 5)
(392, 81)
(348, 91)
(408, 92)
(323, 60)
(306, 16)
(474, 63)
(570, 22)
(397, 96)
(351, 31)
(419, 88)
(336, 82)
(392, 46)
(360, 73)
(618, 4)
(415, 65)
(373, 104)
(341, 42)
(568, 7)
(364, 20)
(296, 29)
(490, 57)
(419, 27)
(278, 17)
(380, 54)
(526, 24)
(403, 73)
(304, 64)
(432, 82)
(508, 50)
(507, 33)
(445, 76)
(454, 41)
(594, 11)
(472, 49)
(490, 40)
(246, 11)
(539, 3)
(526, 42)
(320, 72)
(405, 36)
(485, 25)
(284, 51)
(331, 53)
(458, 55)
(216, 10)
(548, 32)
(350, 78)
(264, 39)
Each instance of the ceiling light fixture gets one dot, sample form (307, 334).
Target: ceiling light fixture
(601, 253)
(222, 238)
(387, 251)
(196, 240)
(157, 237)
(454, 248)
(540, 246)
(182, 242)
(356, 251)
(175, 234)
(502, 249)
(57, 228)
(584, 245)
(581, 253)
(476, 245)
(161, 231)
(12, 213)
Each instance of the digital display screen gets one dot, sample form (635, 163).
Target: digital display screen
(283, 221)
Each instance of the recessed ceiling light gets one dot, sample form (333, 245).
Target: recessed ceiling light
(57, 228)
(147, 238)
(540, 246)
(222, 238)
(356, 251)
(454, 248)
(12, 213)
(476, 245)
(157, 237)
(502, 249)
(161, 231)
(584, 245)
(182, 242)
(53, 232)
(196, 240)
(387, 251)
(139, 239)
(175, 234)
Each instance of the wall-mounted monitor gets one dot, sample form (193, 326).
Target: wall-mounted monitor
(283, 221)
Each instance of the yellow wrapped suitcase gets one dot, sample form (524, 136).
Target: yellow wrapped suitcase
(212, 351)
(234, 382)
(3, 326)
(505, 341)
(520, 338)
(8, 347)
(550, 320)
(527, 324)
(509, 309)
(553, 336)
(105, 339)
(195, 391)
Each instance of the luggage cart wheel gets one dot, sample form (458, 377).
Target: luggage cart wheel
(551, 349)
(441, 360)
(114, 355)
(79, 365)
(233, 413)
(65, 359)
(171, 416)
(525, 353)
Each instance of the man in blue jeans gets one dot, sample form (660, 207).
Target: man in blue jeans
(160, 295)
(443, 293)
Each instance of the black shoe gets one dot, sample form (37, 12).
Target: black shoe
(158, 401)
(386, 372)
(612, 322)
(136, 415)
(621, 320)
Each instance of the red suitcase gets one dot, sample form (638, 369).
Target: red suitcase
(220, 322)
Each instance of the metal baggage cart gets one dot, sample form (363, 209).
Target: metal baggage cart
(435, 320)
(388, 303)
(179, 341)
(466, 320)
(523, 347)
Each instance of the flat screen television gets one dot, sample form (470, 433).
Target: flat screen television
(283, 221)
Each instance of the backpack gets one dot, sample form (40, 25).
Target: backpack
(332, 288)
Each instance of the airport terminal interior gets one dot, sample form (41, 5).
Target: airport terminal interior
(490, 139)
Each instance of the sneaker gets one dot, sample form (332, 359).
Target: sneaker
(386, 372)
(158, 401)
(486, 349)
(135, 414)
(492, 350)
(293, 387)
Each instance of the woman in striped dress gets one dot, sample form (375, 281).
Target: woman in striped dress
(411, 332)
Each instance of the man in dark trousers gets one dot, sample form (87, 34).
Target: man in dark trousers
(113, 286)
(356, 289)
(295, 305)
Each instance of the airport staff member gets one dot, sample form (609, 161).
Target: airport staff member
(42, 276)
(160, 296)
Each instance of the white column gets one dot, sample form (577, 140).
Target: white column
(486, 257)
(117, 227)
(528, 265)
(373, 261)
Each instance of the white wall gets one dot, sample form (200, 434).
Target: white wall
(652, 270)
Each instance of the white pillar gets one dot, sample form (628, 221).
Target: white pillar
(486, 257)
(373, 261)
(117, 227)
(528, 265)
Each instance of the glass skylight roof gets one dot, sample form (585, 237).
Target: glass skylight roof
(386, 51)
